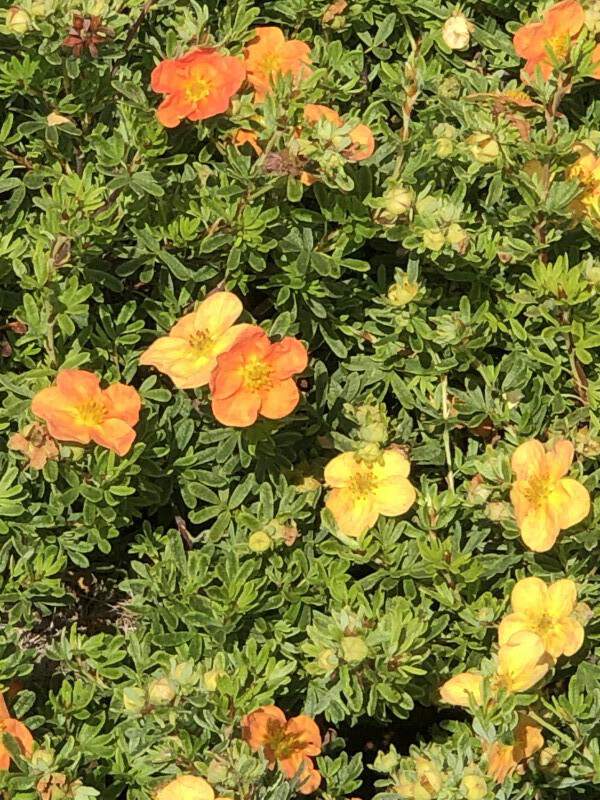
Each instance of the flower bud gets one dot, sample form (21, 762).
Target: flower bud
(434, 239)
(186, 787)
(474, 787)
(18, 20)
(484, 148)
(183, 673)
(401, 293)
(211, 679)
(457, 237)
(42, 759)
(327, 660)
(161, 692)
(354, 648)
(134, 699)
(398, 200)
(386, 762)
(259, 541)
(444, 147)
(429, 778)
(457, 31)
(56, 119)
(404, 788)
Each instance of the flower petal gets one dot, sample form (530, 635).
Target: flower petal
(122, 402)
(562, 598)
(571, 502)
(238, 410)
(459, 690)
(340, 470)
(511, 624)
(529, 598)
(287, 357)
(115, 434)
(528, 459)
(566, 18)
(395, 464)
(259, 725)
(307, 734)
(540, 529)
(280, 400)
(565, 637)
(394, 496)
(217, 312)
(354, 515)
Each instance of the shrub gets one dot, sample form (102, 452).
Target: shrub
(299, 399)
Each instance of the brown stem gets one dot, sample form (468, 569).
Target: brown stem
(24, 162)
(133, 31)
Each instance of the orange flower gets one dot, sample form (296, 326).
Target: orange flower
(242, 137)
(504, 759)
(546, 502)
(463, 689)
(197, 85)
(255, 377)
(269, 55)
(15, 729)
(76, 409)
(361, 136)
(35, 442)
(554, 35)
(189, 353)
(287, 743)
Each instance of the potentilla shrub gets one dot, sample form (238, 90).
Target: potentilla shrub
(299, 388)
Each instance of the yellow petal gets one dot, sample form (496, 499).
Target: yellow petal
(395, 464)
(522, 661)
(520, 499)
(394, 497)
(560, 458)
(562, 598)
(186, 787)
(459, 690)
(572, 502)
(511, 624)
(217, 312)
(529, 597)
(341, 470)
(354, 516)
(565, 638)
(540, 529)
(528, 459)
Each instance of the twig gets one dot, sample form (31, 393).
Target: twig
(446, 436)
(133, 32)
(24, 162)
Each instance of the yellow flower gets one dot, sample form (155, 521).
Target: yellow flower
(186, 787)
(429, 779)
(546, 502)
(504, 759)
(463, 689)
(361, 490)
(546, 611)
(484, 148)
(522, 662)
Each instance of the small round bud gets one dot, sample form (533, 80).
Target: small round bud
(444, 147)
(161, 692)
(354, 648)
(434, 240)
(457, 31)
(134, 699)
(474, 787)
(18, 20)
(398, 200)
(259, 541)
(211, 679)
(327, 660)
(484, 148)
(42, 759)
(401, 293)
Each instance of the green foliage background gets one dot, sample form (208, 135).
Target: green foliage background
(119, 571)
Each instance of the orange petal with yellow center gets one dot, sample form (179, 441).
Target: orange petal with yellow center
(259, 725)
(307, 732)
(287, 357)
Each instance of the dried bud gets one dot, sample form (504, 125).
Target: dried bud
(457, 237)
(484, 148)
(434, 239)
(398, 200)
(56, 119)
(42, 759)
(18, 20)
(134, 699)
(457, 31)
(429, 779)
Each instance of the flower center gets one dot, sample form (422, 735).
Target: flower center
(559, 45)
(198, 88)
(256, 375)
(200, 342)
(271, 64)
(363, 483)
(92, 412)
(537, 490)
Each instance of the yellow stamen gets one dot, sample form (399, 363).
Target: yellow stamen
(93, 412)
(559, 46)
(537, 490)
(198, 89)
(363, 483)
(256, 375)
(271, 64)
(200, 342)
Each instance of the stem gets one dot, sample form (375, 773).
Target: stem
(446, 436)
(133, 31)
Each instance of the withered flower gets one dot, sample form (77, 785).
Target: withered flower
(87, 33)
